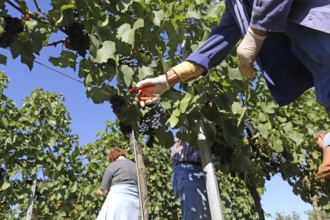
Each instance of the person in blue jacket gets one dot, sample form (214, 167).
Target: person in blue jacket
(291, 39)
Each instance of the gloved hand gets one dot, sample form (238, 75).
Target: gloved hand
(150, 89)
(247, 52)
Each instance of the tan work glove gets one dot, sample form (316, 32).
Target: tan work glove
(247, 52)
(149, 90)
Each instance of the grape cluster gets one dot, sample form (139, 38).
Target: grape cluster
(11, 27)
(78, 39)
(117, 104)
(148, 53)
(133, 63)
(249, 128)
(151, 122)
(222, 152)
(124, 128)
(127, 60)
(3, 175)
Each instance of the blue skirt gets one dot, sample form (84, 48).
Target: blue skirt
(122, 203)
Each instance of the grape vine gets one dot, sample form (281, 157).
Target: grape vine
(9, 28)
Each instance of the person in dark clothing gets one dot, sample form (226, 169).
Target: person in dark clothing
(291, 38)
(188, 181)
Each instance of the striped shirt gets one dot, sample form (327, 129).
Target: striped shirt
(122, 171)
(326, 140)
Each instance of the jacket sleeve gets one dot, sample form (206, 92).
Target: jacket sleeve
(270, 15)
(220, 42)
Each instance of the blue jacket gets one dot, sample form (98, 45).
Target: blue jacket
(289, 78)
(273, 15)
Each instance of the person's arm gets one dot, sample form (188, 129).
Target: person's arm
(106, 181)
(101, 192)
(218, 45)
(324, 169)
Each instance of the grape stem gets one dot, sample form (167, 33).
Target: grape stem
(55, 43)
(39, 9)
(31, 15)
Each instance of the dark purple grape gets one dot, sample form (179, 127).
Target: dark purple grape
(78, 38)
(12, 26)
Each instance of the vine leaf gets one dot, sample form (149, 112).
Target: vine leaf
(145, 71)
(62, 10)
(3, 59)
(159, 16)
(185, 102)
(173, 120)
(126, 33)
(67, 59)
(234, 74)
(192, 12)
(276, 144)
(5, 186)
(128, 75)
(107, 51)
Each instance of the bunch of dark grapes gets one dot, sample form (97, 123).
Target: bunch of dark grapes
(127, 60)
(117, 104)
(133, 63)
(3, 175)
(222, 152)
(78, 39)
(124, 128)
(12, 27)
(148, 53)
(256, 149)
(151, 122)
(249, 128)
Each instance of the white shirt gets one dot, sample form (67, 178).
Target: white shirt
(326, 140)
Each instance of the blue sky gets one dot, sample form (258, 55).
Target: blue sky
(89, 118)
